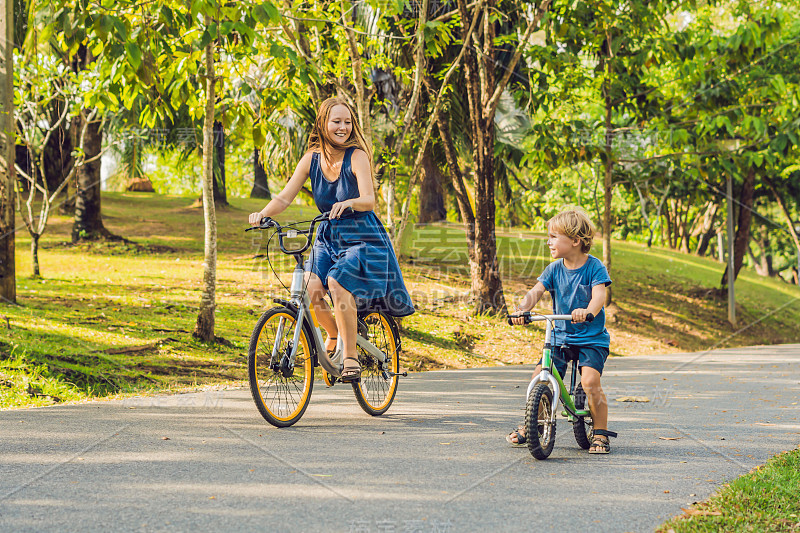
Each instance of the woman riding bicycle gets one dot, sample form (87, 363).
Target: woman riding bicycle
(352, 257)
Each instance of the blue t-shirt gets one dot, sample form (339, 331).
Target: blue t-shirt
(572, 289)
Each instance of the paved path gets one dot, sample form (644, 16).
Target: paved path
(436, 462)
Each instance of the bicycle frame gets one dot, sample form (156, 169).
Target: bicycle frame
(548, 375)
(302, 303)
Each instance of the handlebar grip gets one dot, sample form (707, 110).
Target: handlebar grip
(526, 315)
(589, 317)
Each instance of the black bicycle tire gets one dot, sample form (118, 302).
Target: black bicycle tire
(394, 366)
(540, 450)
(579, 425)
(252, 372)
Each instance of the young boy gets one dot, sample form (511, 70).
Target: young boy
(577, 283)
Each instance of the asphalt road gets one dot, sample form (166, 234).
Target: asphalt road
(437, 461)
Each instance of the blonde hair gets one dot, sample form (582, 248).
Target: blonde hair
(318, 140)
(575, 224)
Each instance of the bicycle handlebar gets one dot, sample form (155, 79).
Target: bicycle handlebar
(535, 317)
(267, 223)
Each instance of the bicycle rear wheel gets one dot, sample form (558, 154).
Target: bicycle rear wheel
(540, 428)
(582, 427)
(377, 388)
(281, 392)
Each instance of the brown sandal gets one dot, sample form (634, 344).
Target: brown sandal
(331, 352)
(600, 441)
(351, 375)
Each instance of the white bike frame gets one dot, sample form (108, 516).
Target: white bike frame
(545, 376)
(301, 301)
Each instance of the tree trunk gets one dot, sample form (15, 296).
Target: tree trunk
(487, 287)
(789, 221)
(260, 181)
(683, 236)
(457, 178)
(431, 193)
(220, 189)
(58, 152)
(670, 241)
(742, 237)
(707, 230)
(8, 275)
(204, 328)
(608, 183)
(35, 255)
(88, 224)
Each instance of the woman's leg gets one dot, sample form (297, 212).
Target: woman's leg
(316, 293)
(346, 321)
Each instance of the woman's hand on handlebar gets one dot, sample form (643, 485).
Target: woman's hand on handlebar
(255, 219)
(339, 208)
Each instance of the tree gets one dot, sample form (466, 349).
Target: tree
(41, 80)
(204, 327)
(88, 223)
(260, 181)
(484, 90)
(8, 280)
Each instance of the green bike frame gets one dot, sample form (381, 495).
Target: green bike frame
(550, 375)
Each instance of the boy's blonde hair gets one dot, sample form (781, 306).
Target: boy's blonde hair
(575, 224)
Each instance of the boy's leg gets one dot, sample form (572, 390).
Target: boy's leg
(591, 362)
(590, 380)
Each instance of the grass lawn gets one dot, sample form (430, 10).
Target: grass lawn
(765, 500)
(115, 319)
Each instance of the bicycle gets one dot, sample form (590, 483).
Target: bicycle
(287, 345)
(540, 409)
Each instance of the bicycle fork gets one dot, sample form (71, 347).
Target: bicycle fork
(546, 376)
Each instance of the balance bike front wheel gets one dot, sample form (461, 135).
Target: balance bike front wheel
(540, 428)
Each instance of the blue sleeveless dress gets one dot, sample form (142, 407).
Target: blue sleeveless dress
(355, 251)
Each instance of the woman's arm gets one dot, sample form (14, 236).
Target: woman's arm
(366, 194)
(280, 202)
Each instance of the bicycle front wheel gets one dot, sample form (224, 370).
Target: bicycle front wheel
(540, 428)
(377, 388)
(280, 390)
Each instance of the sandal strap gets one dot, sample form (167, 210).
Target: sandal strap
(605, 433)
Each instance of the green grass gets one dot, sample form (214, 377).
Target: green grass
(765, 500)
(116, 318)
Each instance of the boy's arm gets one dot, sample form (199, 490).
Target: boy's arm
(595, 304)
(529, 301)
(531, 298)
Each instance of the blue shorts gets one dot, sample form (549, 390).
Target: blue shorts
(591, 356)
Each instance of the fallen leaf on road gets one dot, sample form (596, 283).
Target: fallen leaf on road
(670, 438)
(698, 512)
(643, 399)
(764, 424)
(164, 438)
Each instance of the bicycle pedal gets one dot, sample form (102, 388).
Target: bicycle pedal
(393, 374)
